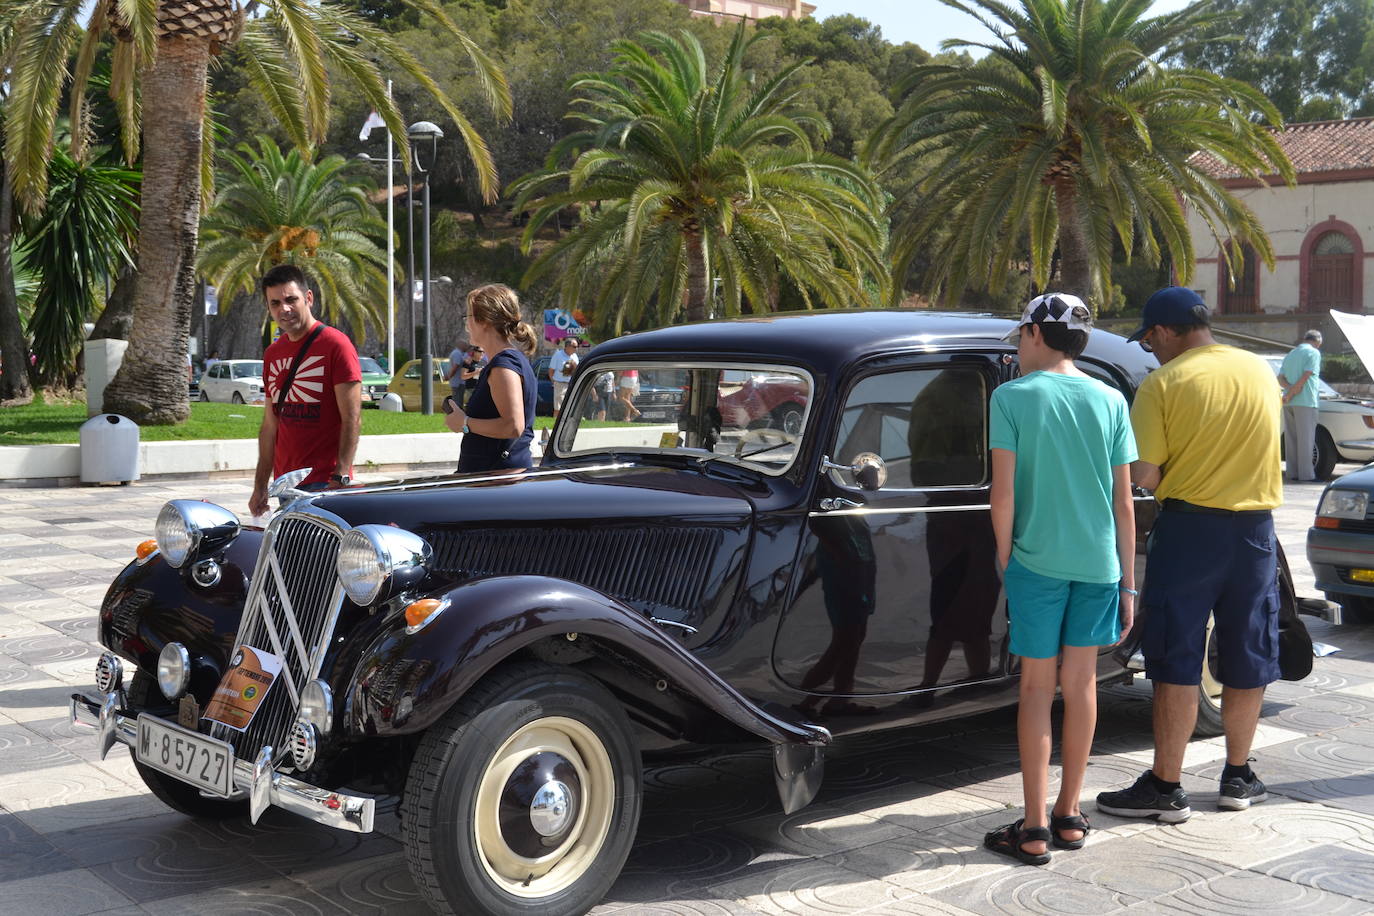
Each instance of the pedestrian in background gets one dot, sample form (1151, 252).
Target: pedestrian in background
(472, 370)
(562, 365)
(498, 422)
(1064, 521)
(1207, 427)
(454, 376)
(1299, 374)
(314, 393)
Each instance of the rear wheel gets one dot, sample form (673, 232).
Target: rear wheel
(524, 798)
(1209, 690)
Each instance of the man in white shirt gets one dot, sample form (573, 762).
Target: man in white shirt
(562, 365)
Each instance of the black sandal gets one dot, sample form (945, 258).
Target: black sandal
(1009, 840)
(1060, 822)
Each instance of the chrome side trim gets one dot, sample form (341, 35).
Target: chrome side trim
(451, 481)
(897, 510)
(353, 813)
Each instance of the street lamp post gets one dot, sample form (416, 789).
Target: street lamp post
(417, 133)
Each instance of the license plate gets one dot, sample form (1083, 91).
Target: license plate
(190, 756)
(1362, 575)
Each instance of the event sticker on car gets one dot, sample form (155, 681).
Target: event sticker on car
(243, 688)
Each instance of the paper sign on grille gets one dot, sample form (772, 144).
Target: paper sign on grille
(243, 688)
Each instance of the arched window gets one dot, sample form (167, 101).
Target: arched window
(1332, 277)
(1244, 298)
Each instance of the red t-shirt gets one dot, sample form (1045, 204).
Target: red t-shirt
(308, 423)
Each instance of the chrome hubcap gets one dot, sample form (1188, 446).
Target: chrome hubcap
(552, 808)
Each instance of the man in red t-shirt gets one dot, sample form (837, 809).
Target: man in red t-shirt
(316, 424)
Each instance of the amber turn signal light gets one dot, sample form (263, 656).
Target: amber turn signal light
(145, 550)
(417, 612)
(1326, 522)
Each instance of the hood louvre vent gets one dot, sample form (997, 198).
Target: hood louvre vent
(655, 570)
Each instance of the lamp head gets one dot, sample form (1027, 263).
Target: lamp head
(424, 130)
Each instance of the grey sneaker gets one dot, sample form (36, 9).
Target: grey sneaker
(1144, 800)
(1237, 794)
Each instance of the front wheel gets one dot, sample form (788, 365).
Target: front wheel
(1324, 455)
(187, 799)
(524, 798)
(204, 395)
(237, 398)
(1354, 608)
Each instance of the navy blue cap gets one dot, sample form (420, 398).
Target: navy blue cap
(1171, 305)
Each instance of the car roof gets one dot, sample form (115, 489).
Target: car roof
(829, 340)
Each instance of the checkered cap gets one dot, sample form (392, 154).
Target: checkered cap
(1054, 308)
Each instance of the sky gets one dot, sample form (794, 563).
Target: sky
(927, 22)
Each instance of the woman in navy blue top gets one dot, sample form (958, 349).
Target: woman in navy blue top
(498, 424)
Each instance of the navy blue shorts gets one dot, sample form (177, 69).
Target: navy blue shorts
(1223, 565)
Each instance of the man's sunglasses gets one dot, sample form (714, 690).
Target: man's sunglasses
(1145, 344)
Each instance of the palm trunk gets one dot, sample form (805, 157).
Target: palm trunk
(1074, 261)
(696, 277)
(117, 320)
(150, 387)
(14, 374)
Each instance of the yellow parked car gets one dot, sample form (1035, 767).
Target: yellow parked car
(406, 383)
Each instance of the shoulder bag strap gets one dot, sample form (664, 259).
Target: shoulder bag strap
(295, 364)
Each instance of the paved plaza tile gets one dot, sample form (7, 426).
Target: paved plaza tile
(896, 829)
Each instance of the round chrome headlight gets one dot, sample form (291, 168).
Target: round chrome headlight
(376, 561)
(173, 670)
(187, 528)
(317, 706)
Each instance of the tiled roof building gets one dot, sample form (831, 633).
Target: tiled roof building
(1322, 230)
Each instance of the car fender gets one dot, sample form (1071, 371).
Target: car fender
(405, 682)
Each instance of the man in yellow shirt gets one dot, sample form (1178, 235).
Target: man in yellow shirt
(1207, 430)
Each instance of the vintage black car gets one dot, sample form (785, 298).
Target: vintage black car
(501, 651)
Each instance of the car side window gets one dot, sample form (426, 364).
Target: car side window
(928, 425)
(216, 372)
(413, 371)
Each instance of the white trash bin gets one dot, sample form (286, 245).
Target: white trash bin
(391, 402)
(109, 449)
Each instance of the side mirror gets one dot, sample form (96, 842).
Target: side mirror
(284, 487)
(869, 470)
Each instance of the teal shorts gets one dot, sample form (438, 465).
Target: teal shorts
(1047, 613)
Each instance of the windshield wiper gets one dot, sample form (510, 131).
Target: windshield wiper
(706, 459)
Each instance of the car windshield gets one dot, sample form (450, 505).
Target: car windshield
(368, 364)
(746, 414)
(1323, 389)
(248, 369)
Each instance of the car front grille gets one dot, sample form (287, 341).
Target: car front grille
(291, 611)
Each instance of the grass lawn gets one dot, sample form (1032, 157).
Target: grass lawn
(41, 423)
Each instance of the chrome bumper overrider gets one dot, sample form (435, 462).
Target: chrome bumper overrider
(254, 780)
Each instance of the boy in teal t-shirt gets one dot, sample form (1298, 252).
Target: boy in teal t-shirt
(1064, 520)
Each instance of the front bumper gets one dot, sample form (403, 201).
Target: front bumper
(1332, 553)
(256, 780)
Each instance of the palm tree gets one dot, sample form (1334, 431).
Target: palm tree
(162, 49)
(76, 246)
(1070, 134)
(289, 209)
(685, 174)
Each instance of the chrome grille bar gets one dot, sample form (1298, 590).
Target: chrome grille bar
(295, 594)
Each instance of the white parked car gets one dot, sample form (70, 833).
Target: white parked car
(237, 381)
(1345, 426)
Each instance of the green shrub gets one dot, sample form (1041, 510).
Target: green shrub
(1344, 367)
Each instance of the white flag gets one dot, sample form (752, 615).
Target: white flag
(373, 120)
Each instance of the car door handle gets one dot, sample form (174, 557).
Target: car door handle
(831, 503)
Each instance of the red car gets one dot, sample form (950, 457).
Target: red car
(777, 401)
